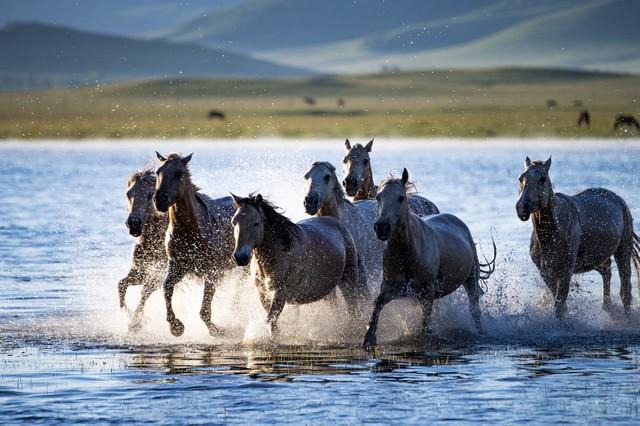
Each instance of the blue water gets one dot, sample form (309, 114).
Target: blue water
(66, 354)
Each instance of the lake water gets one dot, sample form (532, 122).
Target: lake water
(66, 354)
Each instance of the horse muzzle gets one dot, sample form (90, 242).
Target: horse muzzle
(242, 257)
(350, 185)
(134, 225)
(383, 230)
(523, 210)
(311, 204)
(161, 202)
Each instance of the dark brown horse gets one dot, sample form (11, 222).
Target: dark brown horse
(214, 114)
(584, 118)
(625, 120)
(427, 258)
(148, 226)
(199, 237)
(576, 234)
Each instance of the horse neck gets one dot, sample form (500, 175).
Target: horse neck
(545, 227)
(368, 189)
(269, 256)
(332, 206)
(400, 241)
(183, 215)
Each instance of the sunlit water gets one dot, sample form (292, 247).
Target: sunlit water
(66, 353)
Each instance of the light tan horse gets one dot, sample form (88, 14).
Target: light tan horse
(576, 234)
(358, 181)
(427, 258)
(148, 226)
(199, 238)
(294, 263)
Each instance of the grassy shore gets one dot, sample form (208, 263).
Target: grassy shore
(483, 103)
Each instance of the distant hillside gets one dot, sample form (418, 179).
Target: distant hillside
(367, 35)
(41, 56)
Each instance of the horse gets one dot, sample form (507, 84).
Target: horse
(148, 226)
(358, 181)
(625, 120)
(428, 258)
(296, 263)
(199, 238)
(576, 234)
(214, 114)
(584, 118)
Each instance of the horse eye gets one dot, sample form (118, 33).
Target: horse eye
(326, 178)
(543, 180)
(255, 225)
(150, 196)
(401, 198)
(344, 160)
(366, 162)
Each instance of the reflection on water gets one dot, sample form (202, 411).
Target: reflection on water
(66, 354)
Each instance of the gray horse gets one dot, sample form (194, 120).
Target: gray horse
(199, 238)
(358, 181)
(575, 234)
(148, 226)
(428, 258)
(295, 263)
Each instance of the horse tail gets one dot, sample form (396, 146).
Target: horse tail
(635, 257)
(486, 269)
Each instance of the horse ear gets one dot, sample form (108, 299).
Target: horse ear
(527, 162)
(405, 176)
(185, 160)
(347, 144)
(236, 200)
(547, 164)
(259, 198)
(160, 157)
(369, 146)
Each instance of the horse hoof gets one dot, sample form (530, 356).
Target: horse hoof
(213, 330)
(369, 343)
(135, 326)
(177, 328)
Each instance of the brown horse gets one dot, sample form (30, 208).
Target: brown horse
(576, 234)
(584, 118)
(148, 226)
(199, 238)
(625, 120)
(295, 263)
(428, 258)
(358, 181)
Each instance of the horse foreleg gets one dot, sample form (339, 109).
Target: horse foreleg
(149, 287)
(210, 284)
(387, 294)
(426, 299)
(605, 271)
(563, 285)
(174, 275)
(132, 278)
(277, 305)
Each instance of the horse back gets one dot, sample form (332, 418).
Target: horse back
(422, 206)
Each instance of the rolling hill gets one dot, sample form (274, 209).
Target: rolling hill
(366, 35)
(43, 56)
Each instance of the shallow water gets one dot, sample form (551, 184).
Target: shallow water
(66, 353)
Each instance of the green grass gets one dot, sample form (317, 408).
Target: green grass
(481, 103)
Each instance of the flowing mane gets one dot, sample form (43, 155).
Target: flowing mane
(283, 229)
(409, 188)
(146, 174)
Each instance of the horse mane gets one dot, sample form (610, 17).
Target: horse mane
(146, 173)
(282, 228)
(409, 188)
(338, 191)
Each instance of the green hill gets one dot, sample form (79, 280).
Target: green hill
(42, 56)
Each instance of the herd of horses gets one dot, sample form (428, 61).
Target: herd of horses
(383, 237)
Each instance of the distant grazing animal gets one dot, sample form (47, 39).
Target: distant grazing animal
(214, 114)
(625, 120)
(340, 102)
(427, 258)
(358, 181)
(577, 103)
(584, 118)
(295, 263)
(199, 238)
(576, 234)
(309, 100)
(148, 226)
(552, 103)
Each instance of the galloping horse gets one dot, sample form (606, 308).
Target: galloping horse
(148, 226)
(576, 234)
(358, 181)
(199, 238)
(428, 257)
(294, 263)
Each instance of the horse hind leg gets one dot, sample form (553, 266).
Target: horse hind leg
(472, 287)
(623, 261)
(353, 284)
(605, 271)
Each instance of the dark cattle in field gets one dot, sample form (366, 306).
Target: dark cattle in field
(584, 118)
(625, 120)
(216, 115)
(340, 102)
(309, 100)
(552, 103)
